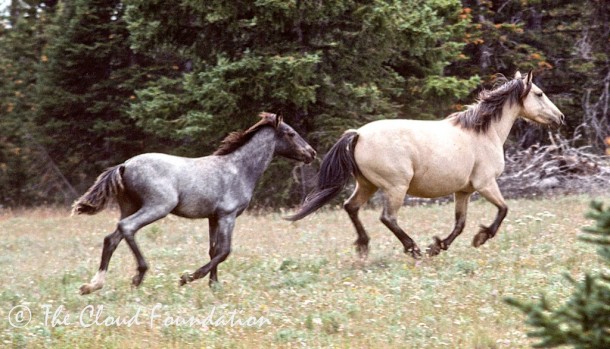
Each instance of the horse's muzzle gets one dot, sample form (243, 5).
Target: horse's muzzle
(557, 122)
(553, 120)
(309, 155)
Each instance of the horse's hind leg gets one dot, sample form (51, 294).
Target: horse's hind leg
(363, 192)
(461, 208)
(130, 225)
(493, 195)
(111, 241)
(394, 200)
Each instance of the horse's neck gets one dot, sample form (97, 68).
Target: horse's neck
(501, 128)
(254, 157)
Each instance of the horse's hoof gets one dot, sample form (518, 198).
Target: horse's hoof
(137, 280)
(483, 235)
(87, 288)
(214, 285)
(185, 279)
(415, 252)
(363, 251)
(433, 250)
(436, 247)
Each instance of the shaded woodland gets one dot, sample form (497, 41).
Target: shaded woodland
(86, 84)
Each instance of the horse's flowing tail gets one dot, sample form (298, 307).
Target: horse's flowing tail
(108, 185)
(336, 168)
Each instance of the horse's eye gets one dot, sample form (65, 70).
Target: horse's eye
(291, 134)
(539, 94)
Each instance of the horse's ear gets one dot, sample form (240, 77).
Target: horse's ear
(517, 75)
(278, 120)
(527, 84)
(528, 77)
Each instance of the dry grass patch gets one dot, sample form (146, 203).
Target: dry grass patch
(305, 278)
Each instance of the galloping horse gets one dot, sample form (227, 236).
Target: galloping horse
(219, 187)
(460, 154)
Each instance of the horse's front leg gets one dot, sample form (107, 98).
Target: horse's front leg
(213, 224)
(461, 208)
(493, 195)
(222, 249)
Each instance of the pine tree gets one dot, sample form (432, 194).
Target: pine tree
(84, 87)
(22, 39)
(583, 321)
(326, 66)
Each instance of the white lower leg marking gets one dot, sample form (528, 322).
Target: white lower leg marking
(98, 280)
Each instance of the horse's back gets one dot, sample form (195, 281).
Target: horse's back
(158, 177)
(195, 186)
(153, 159)
(155, 167)
(430, 158)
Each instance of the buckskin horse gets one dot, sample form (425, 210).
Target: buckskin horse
(459, 155)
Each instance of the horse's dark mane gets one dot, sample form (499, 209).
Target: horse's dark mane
(236, 139)
(488, 109)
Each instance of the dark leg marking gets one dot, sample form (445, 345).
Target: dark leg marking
(461, 207)
(493, 195)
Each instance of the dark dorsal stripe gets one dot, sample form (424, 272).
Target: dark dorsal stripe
(488, 109)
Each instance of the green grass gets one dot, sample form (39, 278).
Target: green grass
(305, 278)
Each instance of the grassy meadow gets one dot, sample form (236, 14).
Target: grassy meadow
(303, 278)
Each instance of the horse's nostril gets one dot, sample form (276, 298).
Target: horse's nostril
(312, 152)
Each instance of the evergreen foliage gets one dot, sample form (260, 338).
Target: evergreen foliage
(325, 66)
(86, 84)
(21, 42)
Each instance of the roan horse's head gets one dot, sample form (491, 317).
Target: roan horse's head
(289, 144)
(536, 106)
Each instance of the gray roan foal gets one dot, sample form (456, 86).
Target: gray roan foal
(219, 187)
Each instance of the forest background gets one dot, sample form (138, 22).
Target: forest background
(86, 84)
